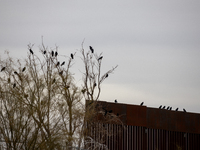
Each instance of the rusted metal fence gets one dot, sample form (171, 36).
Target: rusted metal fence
(142, 138)
(147, 129)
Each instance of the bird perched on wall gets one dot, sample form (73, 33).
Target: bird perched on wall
(31, 51)
(92, 50)
(160, 107)
(176, 109)
(23, 69)
(170, 108)
(141, 103)
(72, 56)
(56, 54)
(163, 107)
(115, 101)
(110, 111)
(167, 107)
(184, 110)
(52, 53)
(3, 68)
(63, 63)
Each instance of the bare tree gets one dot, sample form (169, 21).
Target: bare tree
(41, 106)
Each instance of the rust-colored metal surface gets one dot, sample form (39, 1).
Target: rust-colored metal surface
(155, 118)
(136, 115)
(149, 128)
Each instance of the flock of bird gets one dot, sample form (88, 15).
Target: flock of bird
(72, 57)
(161, 107)
(57, 64)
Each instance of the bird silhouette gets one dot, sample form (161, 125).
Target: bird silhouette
(56, 54)
(52, 53)
(61, 72)
(115, 101)
(72, 56)
(167, 107)
(141, 103)
(163, 107)
(184, 110)
(176, 109)
(54, 80)
(95, 84)
(83, 91)
(23, 69)
(100, 58)
(63, 63)
(170, 108)
(3, 68)
(92, 50)
(160, 106)
(15, 72)
(14, 85)
(44, 52)
(31, 51)
(110, 111)
(66, 87)
(106, 75)
(58, 63)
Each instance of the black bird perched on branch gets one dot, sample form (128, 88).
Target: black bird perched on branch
(23, 69)
(176, 109)
(52, 53)
(60, 73)
(72, 56)
(160, 107)
(58, 63)
(31, 51)
(92, 50)
(106, 75)
(3, 68)
(184, 110)
(95, 84)
(141, 103)
(15, 72)
(100, 58)
(115, 101)
(14, 85)
(44, 52)
(62, 63)
(54, 80)
(56, 54)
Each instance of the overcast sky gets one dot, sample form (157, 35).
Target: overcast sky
(155, 43)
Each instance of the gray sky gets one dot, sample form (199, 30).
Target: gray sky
(155, 43)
